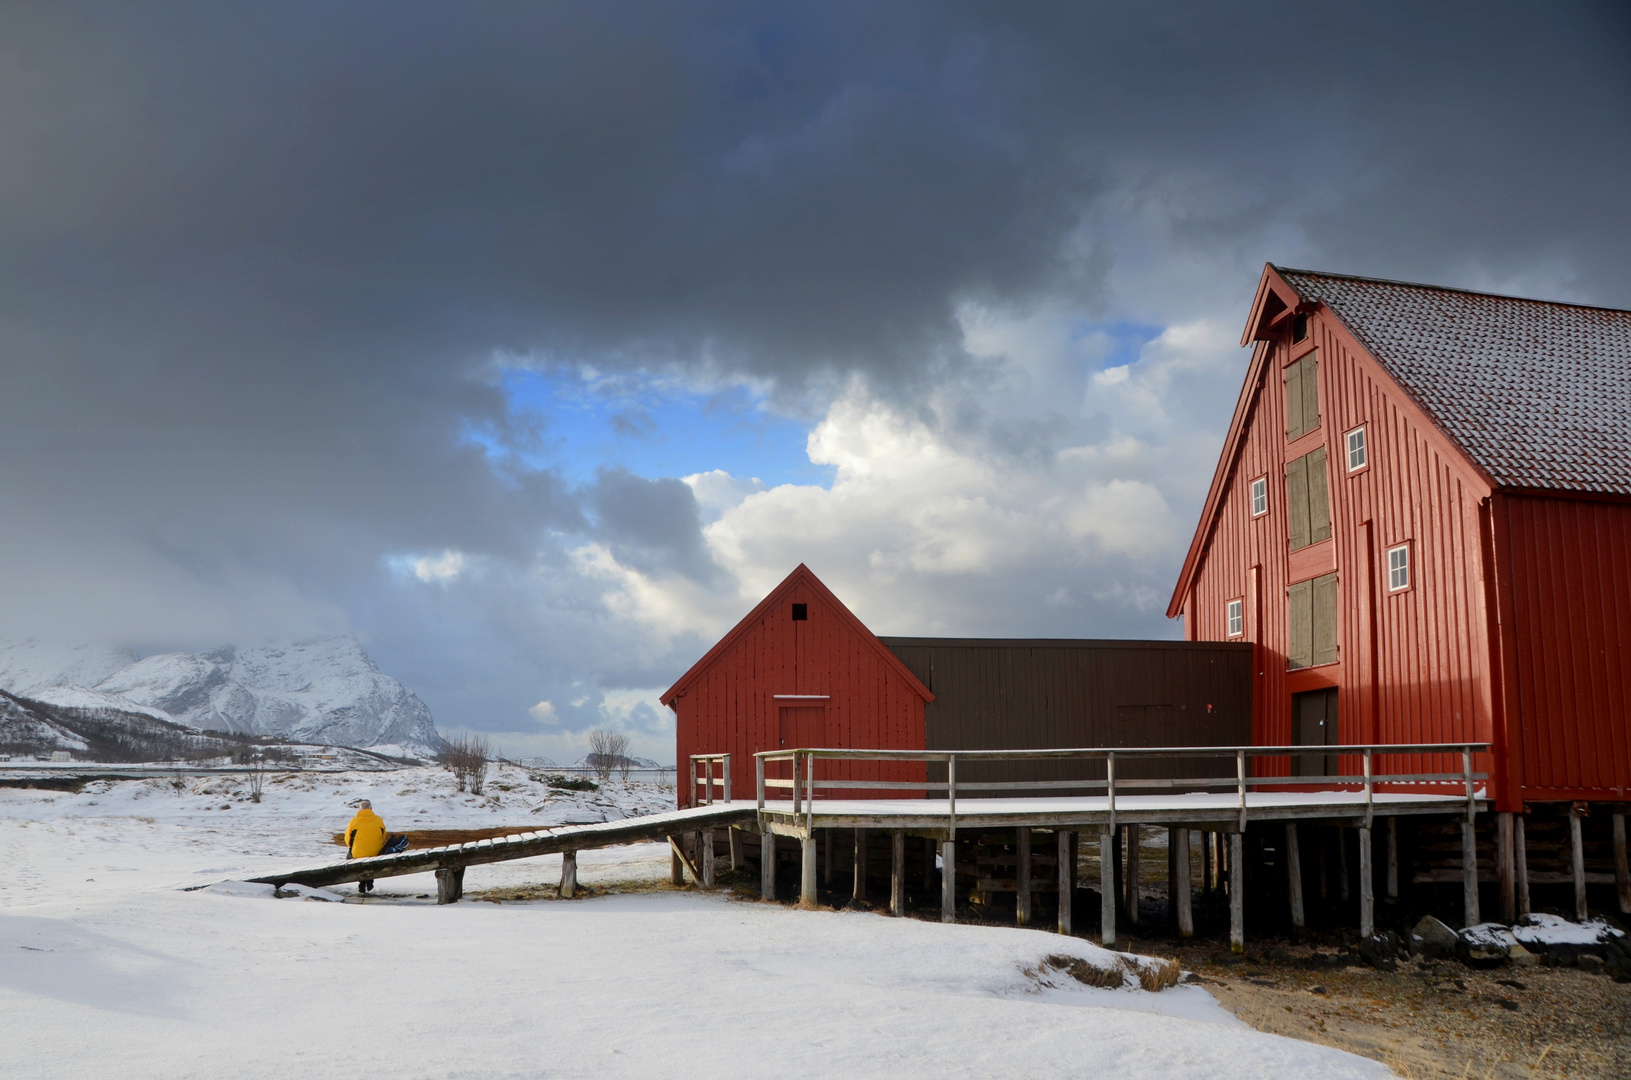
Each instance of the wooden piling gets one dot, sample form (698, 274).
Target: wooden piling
(1392, 858)
(858, 886)
(1343, 889)
(706, 839)
(449, 885)
(1237, 893)
(569, 875)
(767, 865)
(1367, 886)
(1294, 877)
(1622, 871)
(1134, 835)
(1506, 885)
(1107, 885)
(1067, 878)
(1178, 888)
(948, 881)
(735, 835)
(1577, 862)
(1521, 858)
(1469, 876)
(807, 872)
(897, 873)
(676, 865)
(1022, 876)
(1206, 862)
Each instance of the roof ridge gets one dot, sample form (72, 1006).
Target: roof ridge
(1284, 270)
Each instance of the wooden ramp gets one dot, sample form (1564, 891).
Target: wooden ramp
(449, 862)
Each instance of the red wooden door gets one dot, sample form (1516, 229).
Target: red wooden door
(803, 726)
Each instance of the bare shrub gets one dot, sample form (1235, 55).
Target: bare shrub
(257, 778)
(466, 758)
(608, 750)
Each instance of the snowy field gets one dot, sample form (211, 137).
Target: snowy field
(109, 967)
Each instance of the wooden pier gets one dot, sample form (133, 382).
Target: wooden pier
(955, 839)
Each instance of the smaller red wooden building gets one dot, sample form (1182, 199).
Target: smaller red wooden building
(799, 671)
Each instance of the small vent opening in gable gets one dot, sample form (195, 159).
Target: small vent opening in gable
(1299, 328)
(801, 612)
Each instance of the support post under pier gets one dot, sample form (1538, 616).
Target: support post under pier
(1107, 885)
(1294, 877)
(1178, 887)
(807, 872)
(1237, 893)
(1367, 885)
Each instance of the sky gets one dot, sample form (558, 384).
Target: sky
(531, 344)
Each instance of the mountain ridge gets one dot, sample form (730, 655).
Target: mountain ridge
(324, 690)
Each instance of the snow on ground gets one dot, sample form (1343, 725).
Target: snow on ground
(107, 967)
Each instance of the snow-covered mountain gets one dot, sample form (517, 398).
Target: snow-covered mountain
(322, 691)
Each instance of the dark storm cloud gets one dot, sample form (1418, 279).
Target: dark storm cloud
(255, 261)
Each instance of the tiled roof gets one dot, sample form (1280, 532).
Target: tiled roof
(1538, 394)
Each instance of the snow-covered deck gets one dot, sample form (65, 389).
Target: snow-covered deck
(1200, 807)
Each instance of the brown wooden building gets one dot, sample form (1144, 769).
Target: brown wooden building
(802, 671)
(1421, 518)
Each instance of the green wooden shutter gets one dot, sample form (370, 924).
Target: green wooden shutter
(1325, 619)
(1297, 522)
(1310, 387)
(1300, 651)
(1294, 401)
(1319, 497)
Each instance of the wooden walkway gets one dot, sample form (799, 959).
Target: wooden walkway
(449, 862)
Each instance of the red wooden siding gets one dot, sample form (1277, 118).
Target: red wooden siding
(728, 703)
(1412, 666)
(1568, 670)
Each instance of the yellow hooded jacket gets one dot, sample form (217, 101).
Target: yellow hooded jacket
(365, 835)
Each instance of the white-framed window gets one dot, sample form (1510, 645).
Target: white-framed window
(1358, 457)
(1260, 496)
(1236, 619)
(1398, 568)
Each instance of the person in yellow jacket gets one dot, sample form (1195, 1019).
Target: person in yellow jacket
(366, 837)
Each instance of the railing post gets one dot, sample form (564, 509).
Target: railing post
(726, 765)
(951, 796)
(809, 796)
(1240, 779)
(796, 778)
(1110, 790)
(708, 781)
(1370, 807)
(759, 769)
(1466, 768)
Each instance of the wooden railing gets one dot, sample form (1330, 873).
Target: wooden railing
(707, 781)
(804, 785)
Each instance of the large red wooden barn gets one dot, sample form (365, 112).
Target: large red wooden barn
(1421, 518)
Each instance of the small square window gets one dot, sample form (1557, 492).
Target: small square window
(1398, 568)
(801, 612)
(1357, 457)
(1299, 328)
(1237, 621)
(1260, 496)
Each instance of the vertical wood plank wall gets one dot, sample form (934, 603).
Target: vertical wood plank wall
(1570, 569)
(1412, 666)
(731, 707)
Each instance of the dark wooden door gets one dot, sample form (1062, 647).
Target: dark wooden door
(803, 727)
(1314, 723)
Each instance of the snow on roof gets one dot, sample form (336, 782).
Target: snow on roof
(1536, 393)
